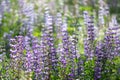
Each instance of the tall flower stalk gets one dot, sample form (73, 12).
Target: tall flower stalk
(89, 41)
(73, 57)
(27, 10)
(17, 47)
(98, 63)
(37, 67)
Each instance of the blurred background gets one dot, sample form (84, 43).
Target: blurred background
(12, 18)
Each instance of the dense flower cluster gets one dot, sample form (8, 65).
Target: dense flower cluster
(43, 59)
(58, 54)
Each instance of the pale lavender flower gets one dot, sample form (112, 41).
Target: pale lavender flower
(101, 16)
(4, 7)
(27, 9)
(58, 23)
(85, 16)
(2, 10)
(101, 12)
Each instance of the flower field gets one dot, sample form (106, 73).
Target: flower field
(59, 40)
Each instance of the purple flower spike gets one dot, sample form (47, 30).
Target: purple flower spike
(88, 50)
(17, 47)
(65, 42)
(29, 55)
(90, 29)
(38, 63)
(98, 64)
